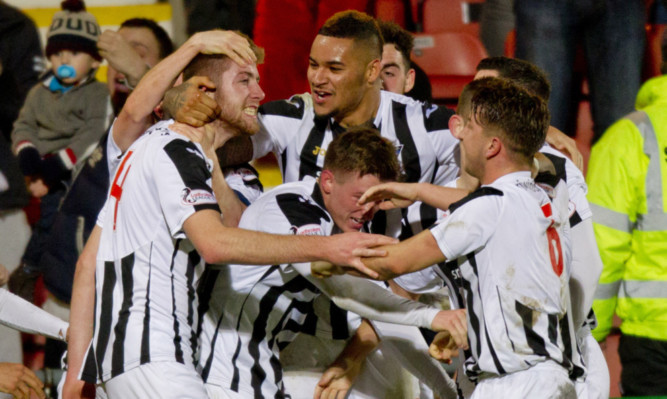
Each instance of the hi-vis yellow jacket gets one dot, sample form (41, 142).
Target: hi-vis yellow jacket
(627, 190)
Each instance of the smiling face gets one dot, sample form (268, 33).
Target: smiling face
(337, 76)
(80, 61)
(397, 76)
(341, 191)
(239, 95)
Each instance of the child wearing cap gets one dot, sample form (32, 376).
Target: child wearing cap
(62, 119)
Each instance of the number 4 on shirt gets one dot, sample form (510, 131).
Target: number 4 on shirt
(117, 189)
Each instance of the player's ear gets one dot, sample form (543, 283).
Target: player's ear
(456, 125)
(410, 80)
(326, 181)
(494, 146)
(373, 71)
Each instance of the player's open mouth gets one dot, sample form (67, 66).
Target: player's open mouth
(321, 96)
(252, 111)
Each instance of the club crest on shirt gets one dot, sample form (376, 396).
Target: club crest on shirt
(196, 197)
(307, 230)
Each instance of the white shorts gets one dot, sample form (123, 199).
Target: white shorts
(546, 380)
(165, 380)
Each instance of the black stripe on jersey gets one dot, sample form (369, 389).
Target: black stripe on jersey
(204, 292)
(309, 153)
(283, 159)
(266, 307)
(575, 219)
(89, 373)
(575, 370)
(298, 211)
(235, 377)
(409, 155)
(480, 192)
(338, 319)
(178, 351)
(292, 108)
(146, 333)
(494, 355)
(191, 166)
(193, 261)
(554, 173)
(553, 328)
(533, 339)
(436, 118)
(474, 319)
(453, 281)
(106, 314)
(428, 215)
(118, 352)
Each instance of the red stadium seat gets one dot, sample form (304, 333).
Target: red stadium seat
(452, 16)
(449, 59)
(390, 10)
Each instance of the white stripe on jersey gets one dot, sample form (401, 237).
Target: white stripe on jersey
(513, 276)
(146, 307)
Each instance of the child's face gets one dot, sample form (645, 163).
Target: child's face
(80, 61)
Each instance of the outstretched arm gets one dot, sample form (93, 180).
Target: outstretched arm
(401, 195)
(22, 315)
(135, 115)
(219, 244)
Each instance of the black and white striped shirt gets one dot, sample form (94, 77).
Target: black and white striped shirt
(511, 245)
(147, 269)
(254, 311)
(299, 139)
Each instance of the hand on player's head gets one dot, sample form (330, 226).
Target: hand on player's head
(391, 195)
(188, 102)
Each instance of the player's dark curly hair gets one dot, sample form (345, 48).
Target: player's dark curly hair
(363, 150)
(392, 33)
(519, 118)
(522, 73)
(360, 27)
(163, 40)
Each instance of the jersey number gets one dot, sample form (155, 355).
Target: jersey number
(555, 249)
(116, 188)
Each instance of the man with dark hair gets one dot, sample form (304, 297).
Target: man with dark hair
(255, 312)
(510, 272)
(522, 73)
(397, 73)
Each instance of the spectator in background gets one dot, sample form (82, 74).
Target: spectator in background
(612, 34)
(496, 23)
(21, 62)
(627, 191)
(138, 45)
(62, 119)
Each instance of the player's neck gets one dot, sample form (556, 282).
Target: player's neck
(364, 112)
(498, 168)
(223, 132)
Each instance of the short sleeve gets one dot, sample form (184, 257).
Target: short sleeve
(244, 181)
(421, 282)
(114, 153)
(183, 179)
(468, 227)
(103, 213)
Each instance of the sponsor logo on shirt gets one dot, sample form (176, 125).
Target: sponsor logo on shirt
(196, 197)
(307, 230)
